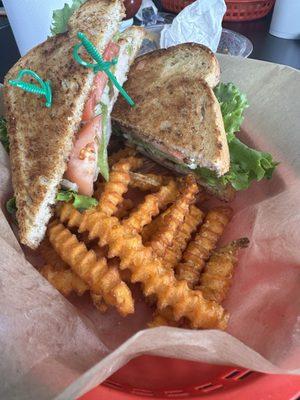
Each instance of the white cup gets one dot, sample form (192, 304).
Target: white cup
(286, 19)
(31, 20)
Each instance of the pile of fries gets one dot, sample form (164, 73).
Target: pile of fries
(146, 229)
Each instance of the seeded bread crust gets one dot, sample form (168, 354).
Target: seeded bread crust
(41, 138)
(186, 59)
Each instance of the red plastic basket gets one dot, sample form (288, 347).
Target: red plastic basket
(237, 10)
(247, 10)
(164, 378)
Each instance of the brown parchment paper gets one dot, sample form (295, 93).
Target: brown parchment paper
(52, 348)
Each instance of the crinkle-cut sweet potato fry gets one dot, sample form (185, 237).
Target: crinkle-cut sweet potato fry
(159, 320)
(150, 229)
(121, 255)
(216, 278)
(98, 302)
(97, 299)
(149, 270)
(58, 273)
(64, 280)
(150, 207)
(199, 250)
(167, 231)
(173, 253)
(125, 275)
(50, 256)
(147, 182)
(67, 213)
(72, 217)
(111, 200)
(164, 317)
(120, 154)
(124, 208)
(99, 251)
(117, 185)
(94, 271)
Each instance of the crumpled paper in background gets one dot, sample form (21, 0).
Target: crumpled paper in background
(200, 22)
(53, 348)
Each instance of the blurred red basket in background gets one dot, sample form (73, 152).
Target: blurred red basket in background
(237, 10)
(165, 378)
(247, 10)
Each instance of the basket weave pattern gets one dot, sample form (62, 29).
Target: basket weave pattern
(237, 10)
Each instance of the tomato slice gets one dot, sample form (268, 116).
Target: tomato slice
(82, 164)
(111, 51)
(89, 108)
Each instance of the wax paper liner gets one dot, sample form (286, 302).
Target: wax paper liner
(199, 22)
(55, 348)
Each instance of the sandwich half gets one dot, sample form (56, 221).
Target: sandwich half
(65, 144)
(177, 119)
(186, 120)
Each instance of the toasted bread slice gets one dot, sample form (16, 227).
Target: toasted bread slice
(180, 116)
(41, 138)
(177, 118)
(186, 59)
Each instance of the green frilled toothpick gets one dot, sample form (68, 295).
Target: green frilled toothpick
(100, 64)
(43, 90)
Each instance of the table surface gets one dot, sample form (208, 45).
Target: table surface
(265, 46)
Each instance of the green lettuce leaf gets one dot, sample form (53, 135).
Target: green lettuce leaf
(102, 152)
(129, 49)
(79, 201)
(3, 134)
(116, 37)
(11, 205)
(209, 176)
(60, 18)
(11, 208)
(246, 164)
(233, 104)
